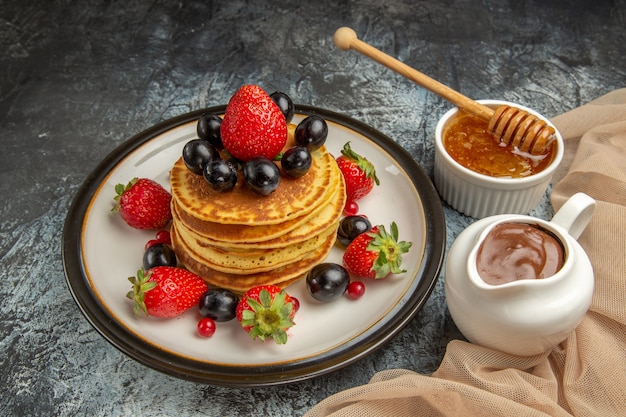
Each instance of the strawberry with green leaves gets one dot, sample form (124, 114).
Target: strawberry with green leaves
(165, 291)
(253, 125)
(376, 254)
(266, 311)
(143, 204)
(358, 172)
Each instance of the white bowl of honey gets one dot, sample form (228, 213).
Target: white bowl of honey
(480, 177)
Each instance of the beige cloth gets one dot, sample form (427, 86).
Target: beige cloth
(586, 374)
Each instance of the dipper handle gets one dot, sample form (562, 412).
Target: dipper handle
(345, 38)
(509, 125)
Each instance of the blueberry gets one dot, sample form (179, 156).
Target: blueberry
(312, 132)
(220, 175)
(284, 103)
(296, 161)
(218, 304)
(209, 129)
(327, 281)
(197, 153)
(261, 175)
(352, 226)
(159, 254)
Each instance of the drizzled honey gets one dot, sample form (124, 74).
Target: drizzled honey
(467, 141)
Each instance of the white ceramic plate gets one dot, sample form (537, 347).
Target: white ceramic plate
(100, 252)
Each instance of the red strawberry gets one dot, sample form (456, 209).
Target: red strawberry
(143, 204)
(375, 254)
(266, 311)
(165, 291)
(358, 172)
(253, 125)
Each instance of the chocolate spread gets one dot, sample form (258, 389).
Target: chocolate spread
(514, 251)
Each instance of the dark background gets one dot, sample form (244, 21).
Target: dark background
(78, 78)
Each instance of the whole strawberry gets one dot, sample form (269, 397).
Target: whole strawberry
(358, 172)
(143, 204)
(165, 291)
(266, 311)
(375, 254)
(253, 125)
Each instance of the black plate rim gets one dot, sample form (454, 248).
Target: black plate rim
(251, 376)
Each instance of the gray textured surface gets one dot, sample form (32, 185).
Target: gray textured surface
(78, 78)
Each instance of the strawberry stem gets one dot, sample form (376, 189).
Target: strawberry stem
(389, 250)
(141, 285)
(268, 317)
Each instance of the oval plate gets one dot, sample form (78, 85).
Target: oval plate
(100, 251)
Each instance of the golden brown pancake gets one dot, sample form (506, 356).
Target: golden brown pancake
(281, 277)
(251, 262)
(293, 198)
(244, 237)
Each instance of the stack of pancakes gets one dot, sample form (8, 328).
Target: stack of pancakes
(240, 239)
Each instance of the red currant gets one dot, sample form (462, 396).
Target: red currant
(151, 242)
(355, 290)
(351, 208)
(296, 304)
(206, 327)
(163, 236)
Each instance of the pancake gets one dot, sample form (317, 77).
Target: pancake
(239, 239)
(293, 198)
(250, 262)
(244, 237)
(238, 233)
(281, 277)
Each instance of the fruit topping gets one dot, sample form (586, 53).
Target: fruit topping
(266, 311)
(143, 204)
(284, 103)
(220, 174)
(262, 175)
(159, 254)
(208, 128)
(197, 153)
(163, 236)
(355, 290)
(218, 304)
(359, 173)
(352, 226)
(206, 327)
(253, 125)
(375, 254)
(150, 243)
(296, 304)
(296, 161)
(351, 208)
(165, 291)
(327, 281)
(312, 132)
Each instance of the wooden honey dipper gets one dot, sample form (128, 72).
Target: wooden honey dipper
(510, 125)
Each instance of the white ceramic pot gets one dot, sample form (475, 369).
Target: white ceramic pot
(524, 317)
(478, 195)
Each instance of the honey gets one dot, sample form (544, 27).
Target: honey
(468, 142)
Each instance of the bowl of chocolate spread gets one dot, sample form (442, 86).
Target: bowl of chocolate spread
(520, 284)
(518, 250)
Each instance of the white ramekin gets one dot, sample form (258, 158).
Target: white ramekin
(479, 195)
